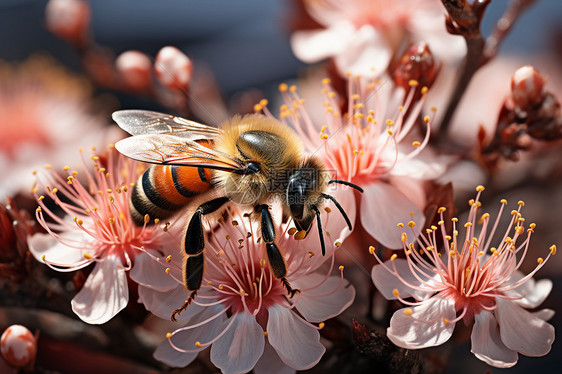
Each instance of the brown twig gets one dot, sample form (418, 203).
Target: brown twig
(464, 19)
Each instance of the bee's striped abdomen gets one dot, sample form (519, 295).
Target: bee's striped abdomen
(164, 189)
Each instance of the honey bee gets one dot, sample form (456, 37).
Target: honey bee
(248, 160)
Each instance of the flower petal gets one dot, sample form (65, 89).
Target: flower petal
(45, 245)
(162, 303)
(186, 339)
(425, 327)
(382, 207)
(545, 314)
(270, 363)
(104, 294)
(240, 348)
(386, 282)
(325, 300)
(367, 53)
(487, 344)
(531, 293)
(315, 45)
(521, 331)
(148, 272)
(297, 343)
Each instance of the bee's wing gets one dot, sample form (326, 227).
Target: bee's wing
(142, 122)
(171, 149)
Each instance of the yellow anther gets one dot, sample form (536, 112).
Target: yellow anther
(168, 335)
(424, 90)
(169, 259)
(455, 219)
(426, 119)
(433, 227)
(328, 210)
(264, 102)
(452, 253)
(395, 292)
(404, 237)
(111, 220)
(66, 168)
(146, 218)
(445, 321)
(324, 136)
(393, 257)
(355, 97)
(283, 87)
(408, 311)
(514, 212)
(79, 222)
(321, 325)
(503, 201)
(38, 210)
(326, 81)
(521, 203)
(389, 122)
(400, 225)
(293, 88)
(416, 144)
(234, 222)
(411, 224)
(429, 248)
(441, 210)
(340, 268)
(262, 263)
(265, 333)
(43, 258)
(413, 83)
(553, 249)
(48, 166)
(220, 287)
(87, 256)
(292, 230)
(257, 108)
(300, 235)
(167, 271)
(371, 250)
(540, 260)
(468, 224)
(198, 344)
(480, 188)
(337, 244)
(440, 223)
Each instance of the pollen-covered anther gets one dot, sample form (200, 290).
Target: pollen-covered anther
(310, 254)
(43, 258)
(167, 271)
(371, 250)
(321, 325)
(300, 235)
(411, 224)
(169, 259)
(521, 203)
(337, 244)
(395, 292)
(198, 344)
(553, 249)
(445, 321)
(393, 257)
(404, 237)
(87, 256)
(413, 83)
(540, 260)
(169, 335)
(408, 312)
(441, 210)
(416, 143)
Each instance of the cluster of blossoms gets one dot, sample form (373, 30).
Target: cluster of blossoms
(96, 229)
(242, 310)
(453, 279)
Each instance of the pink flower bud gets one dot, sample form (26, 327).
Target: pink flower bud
(527, 86)
(135, 70)
(69, 20)
(416, 65)
(173, 68)
(18, 346)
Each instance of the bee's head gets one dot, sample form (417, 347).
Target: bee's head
(304, 192)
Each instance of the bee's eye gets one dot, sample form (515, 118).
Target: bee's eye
(253, 168)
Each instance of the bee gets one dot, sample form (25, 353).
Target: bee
(248, 160)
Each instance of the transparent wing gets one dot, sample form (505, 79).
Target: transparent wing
(171, 149)
(142, 122)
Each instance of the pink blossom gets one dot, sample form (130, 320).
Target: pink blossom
(135, 70)
(173, 68)
(45, 114)
(97, 229)
(372, 145)
(364, 36)
(242, 311)
(469, 280)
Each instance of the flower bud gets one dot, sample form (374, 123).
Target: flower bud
(527, 86)
(18, 346)
(135, 70)
(417, 64)
(69, 20)
(173, 68)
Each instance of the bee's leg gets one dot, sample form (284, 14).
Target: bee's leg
(275, 258)
(193, 245)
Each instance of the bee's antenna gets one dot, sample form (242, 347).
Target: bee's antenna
(339, 208)
(315, 208)
(352, 185)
